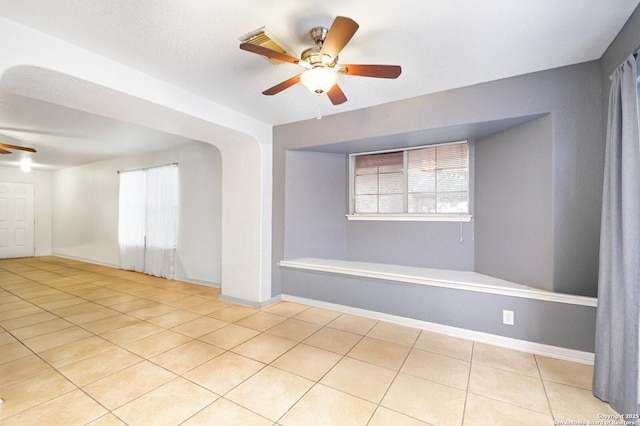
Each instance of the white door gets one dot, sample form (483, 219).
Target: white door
(16, 219)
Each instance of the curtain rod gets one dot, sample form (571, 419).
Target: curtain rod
(146, 168)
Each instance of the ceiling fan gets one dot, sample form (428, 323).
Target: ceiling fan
(321, 61)
(5, 147)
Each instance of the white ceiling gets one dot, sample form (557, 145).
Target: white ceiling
(66, 137)
(193, 44)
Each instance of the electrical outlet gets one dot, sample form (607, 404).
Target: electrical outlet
(507, 317)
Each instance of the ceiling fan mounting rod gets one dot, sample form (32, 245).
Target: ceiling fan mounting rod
(318, 34)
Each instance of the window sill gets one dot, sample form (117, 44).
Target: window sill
(412, 217)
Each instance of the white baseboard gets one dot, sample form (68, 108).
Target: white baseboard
(249, 303)
(477, 336)
(86, 260)
(196, 281)
(95, 262)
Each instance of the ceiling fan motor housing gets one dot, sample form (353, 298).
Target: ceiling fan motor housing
(312, 55)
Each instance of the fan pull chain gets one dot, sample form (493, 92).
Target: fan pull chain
(319, 117)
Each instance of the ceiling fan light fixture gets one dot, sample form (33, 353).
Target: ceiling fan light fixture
(319, 79)
(25, 165)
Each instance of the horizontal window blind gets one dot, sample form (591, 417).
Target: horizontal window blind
(429, 180)
(379, 186)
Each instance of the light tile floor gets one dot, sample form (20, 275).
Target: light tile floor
(87, 344)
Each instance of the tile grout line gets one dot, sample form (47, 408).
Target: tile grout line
(379, 404)
(90, 283)
(466, 393)
(77, 386)
(544, 386)
(316, 382)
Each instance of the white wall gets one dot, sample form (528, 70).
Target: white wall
(199, 247)
(42, 67)
(85, 210)
(42, 181)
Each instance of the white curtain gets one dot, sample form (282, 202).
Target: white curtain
(131, 220)
(618, 316)
(162, 221)
(148, 230)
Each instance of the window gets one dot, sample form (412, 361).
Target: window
(426, 183)
(148, 220)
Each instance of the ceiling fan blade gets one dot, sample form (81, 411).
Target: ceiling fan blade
(379, 71)
(336, 95)
(281, 86)
(22, 148)
(4, 151)
(264, 51)
(339, 34)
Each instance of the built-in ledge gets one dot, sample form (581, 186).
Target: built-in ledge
(412, 217)
(462, 280)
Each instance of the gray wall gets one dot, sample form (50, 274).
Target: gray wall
(315, 210)
(571, 156)
(445, 245)
(627, 42)
(316, 191)
(513, 212)
(550, 323)
(578, 166)
(571, 97)
(423, 244)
